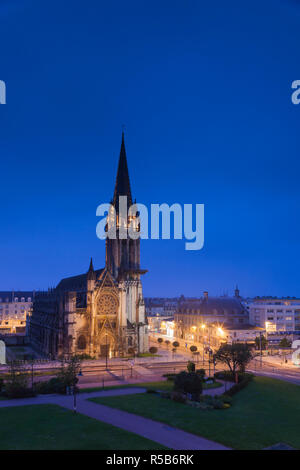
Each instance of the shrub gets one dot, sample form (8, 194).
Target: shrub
(191, 366)
(208, 402)
(216, 402)
(285, 343)
(153, 350)
(178, 397)
(226, 399)
(16, 384)
(188, 382)
(170, 376)
(165, 394)
(84, 357)
(15, 390)
(204, 406)
(54, 385)
(201, 373)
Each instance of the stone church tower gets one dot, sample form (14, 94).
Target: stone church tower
(101, 312)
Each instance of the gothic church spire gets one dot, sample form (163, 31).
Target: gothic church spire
(122, 187)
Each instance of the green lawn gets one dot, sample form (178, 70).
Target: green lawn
(264, 413)
(51, 427)
(166, 385)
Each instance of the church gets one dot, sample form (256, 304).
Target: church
(100, 313)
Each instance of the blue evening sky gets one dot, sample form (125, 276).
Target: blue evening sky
(204, 90)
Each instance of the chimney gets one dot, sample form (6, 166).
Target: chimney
(205, 295)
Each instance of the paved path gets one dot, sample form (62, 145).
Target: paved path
(168, 436)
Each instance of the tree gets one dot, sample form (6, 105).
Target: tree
(285, 343)
(236, 356)
(16, 382)
(153, 350)
(160, 340)
(193, 349)
(188, 382)
(264, 342)
(167, 343)
(176, 344)
(69, 371)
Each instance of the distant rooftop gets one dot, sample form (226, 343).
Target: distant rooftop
(275, 298)
(12, 294)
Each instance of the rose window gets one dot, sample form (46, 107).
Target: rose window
(107, 305)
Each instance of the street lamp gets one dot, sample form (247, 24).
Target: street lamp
(80, 374)
(106, 352)
(220, 331)
(32, 374)
(203, 327)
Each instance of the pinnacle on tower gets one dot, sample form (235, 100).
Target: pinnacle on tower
(91, 272)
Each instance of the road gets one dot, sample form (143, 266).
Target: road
(153, 368)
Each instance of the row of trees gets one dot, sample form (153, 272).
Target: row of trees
(18, 381)
(261, 342)
(235, 356)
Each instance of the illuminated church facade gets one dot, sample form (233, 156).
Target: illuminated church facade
(100, 312)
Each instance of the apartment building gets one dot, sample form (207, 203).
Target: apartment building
(14, 308)
(275, 314)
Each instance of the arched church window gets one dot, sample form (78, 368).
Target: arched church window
(81, 343)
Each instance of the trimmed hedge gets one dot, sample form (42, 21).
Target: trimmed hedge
(229, 377)
(169, 376)
(17, 391)
(243, 382)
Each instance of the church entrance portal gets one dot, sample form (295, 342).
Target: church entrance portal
(106, 346)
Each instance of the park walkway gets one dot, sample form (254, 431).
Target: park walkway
(161, 433)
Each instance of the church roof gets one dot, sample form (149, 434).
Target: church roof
(76, 283)
(122, 187)
(213, 305)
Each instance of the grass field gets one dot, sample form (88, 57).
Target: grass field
(166, 385)
(264, 413)
(50, 427)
